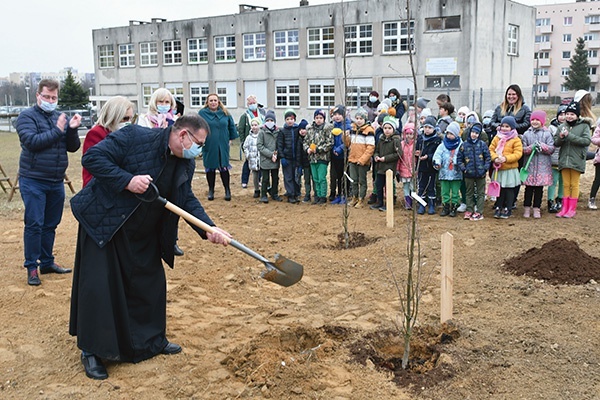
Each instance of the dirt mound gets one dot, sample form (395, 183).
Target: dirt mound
(559, 261)
(354, 240)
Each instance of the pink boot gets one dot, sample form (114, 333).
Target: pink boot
(566, 205)
(573, 208)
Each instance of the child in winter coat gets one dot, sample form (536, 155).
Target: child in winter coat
(303, 162)
(555, 191)
(427, 144)
(361, 145)
(252, 154)
(387, 154)
(537, 137)
(317, 145)
(406, 163)
(337, 184)
(474, 161)
(269, 160)
(286, 150)
(450, 176)
(506, 151)
(446, 110)
(596, 184)
(573, 138)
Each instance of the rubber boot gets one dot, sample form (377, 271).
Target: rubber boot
(572, 208)
(408, 202)
(421, 209)
(225, 177)
(559, 203)
(552, 207)
(453, 210)
(431, 209)
(526, 212)
(565, 207)
(445, 210)
(210, 179)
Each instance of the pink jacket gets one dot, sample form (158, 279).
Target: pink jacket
(596, 141)
(406, 162)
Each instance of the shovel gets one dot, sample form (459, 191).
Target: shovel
(524, 171)
(494, 186)
(283, 271)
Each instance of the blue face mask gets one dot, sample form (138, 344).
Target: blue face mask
(392, 98)
(194, 151)
(163, 109)
(253, 107)
(47, 106)
(372, 99)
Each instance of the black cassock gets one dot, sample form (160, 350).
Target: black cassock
(119, 294)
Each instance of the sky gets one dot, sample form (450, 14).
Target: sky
(46, 36)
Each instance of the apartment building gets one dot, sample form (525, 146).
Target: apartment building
(296, 57)
(557, 28)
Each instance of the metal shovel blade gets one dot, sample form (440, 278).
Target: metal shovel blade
(284, 271)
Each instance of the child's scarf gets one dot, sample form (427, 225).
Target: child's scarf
(504, 137)
(451, 144)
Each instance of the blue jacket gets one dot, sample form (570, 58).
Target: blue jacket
(215, 153)
(474, 158)
(446, 159)
(338, 140)
(44, 146)
(103, 206)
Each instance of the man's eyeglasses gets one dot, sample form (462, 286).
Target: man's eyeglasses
(48, 97)
(194, 139)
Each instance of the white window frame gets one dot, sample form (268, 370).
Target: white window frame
(366, 86)
(592, 19)
(227, 92)
(198, 48)
(592, 71)
(564, 71)
(255, 46)
(320, 42)
(563, 89)
(542, 22)
(148, 54)
(566, 38)
(359, 39)
(545, 54)
(225, 49)
(176, 90)
(199, 92)
(513, 40)
(542, 88)
(147, 90)
(592, 54)
(542, 38)
(567, 21)
(286, 44)
(127, 55)
(321, 93)
(589, 36)
(395, 37)
(287, 94)
(172, 53)
(106, 56)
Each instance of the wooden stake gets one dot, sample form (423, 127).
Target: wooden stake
(447, 276)
(389, 197)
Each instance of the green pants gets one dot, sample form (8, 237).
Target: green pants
(319, 176)
(450, 192)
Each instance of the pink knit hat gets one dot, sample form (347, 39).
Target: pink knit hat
(539, 115)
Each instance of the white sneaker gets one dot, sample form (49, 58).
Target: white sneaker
(592, 204)
(462, 208)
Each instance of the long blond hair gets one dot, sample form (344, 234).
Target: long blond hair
(113, 112)
(221, 105)
(504, 106)
(160, 94)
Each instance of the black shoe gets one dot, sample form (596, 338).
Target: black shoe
(497, 213)
(277, 198)
(211, 195)
(322, 200)
(264, 199)
(331, 197)
(32, 278)
(376, 206)
(306, 199)
(227, 195)
(445, 210)
(292, 199)
(171, 348)
(93, 367)
(372, 199)
(256, 194)
(54, 269)
(177, 250)
(453, 208)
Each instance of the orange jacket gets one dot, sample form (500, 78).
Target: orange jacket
(513, 151)
(361, 142)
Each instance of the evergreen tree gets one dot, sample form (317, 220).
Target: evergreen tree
(578, 77)
(72, 95)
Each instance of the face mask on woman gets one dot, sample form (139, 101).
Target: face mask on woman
(372, 99)
(253, 107)
(163, 109)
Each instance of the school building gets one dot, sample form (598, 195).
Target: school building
(298, 57)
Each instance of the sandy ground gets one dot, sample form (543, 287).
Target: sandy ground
(244, 337)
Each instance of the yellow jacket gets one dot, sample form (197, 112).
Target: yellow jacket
(513, 151)
(361, 142)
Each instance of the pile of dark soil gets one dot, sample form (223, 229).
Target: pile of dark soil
(559, 261)
(354, 240)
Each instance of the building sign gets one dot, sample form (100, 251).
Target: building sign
(441, 66)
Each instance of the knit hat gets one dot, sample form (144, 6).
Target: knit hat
(487, 117)
(270, 115)
(430, 121)
(257, 120)
(422, 102)
(477, 128)
(390, 121)
(561, 109)
(288, 113)
(410, 128)
(453, 128)
(510, 121)
(303, 124)
(362, 113)
(381, 117)
(387, 102)
(382, 107)
(574, 108)
(320, 112)
(339, 109)
(426, 112)
(539, 115)
(463, 110)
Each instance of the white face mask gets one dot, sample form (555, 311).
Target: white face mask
(123, 125)
(47, 106)
(270, 124)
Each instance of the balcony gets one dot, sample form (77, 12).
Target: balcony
(593, 44)
(594, 78)
(594, 61)
(594, 27)
(545, 46)
(546, 29)
(544, 62)
(543, 79)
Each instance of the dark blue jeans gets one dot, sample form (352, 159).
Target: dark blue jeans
(245, 173)
(44, 203)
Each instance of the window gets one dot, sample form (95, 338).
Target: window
(148, 54)
(592, 89)
(563, 89)
(320, 42)
(126, 56)
(513, 40)
(172, 52)
(543, 88)
(541, 71)
(147, 90)
(198, 94)
(286, 44)
(359, 39)
(542, 38)
(564, 71)
(227, 93)
(592, 53)
(356, 96)
(592, 71)
(176, 90)
(541, 55)
(106, 56)
(592, 19)
(287, 94)
(442, 23)
(197, 51)
(567, 38)
(439, 82)
(255, 46)
(321, 94)
(395, 37)
(542, 22)
(568, 21)
(590, 36)
(224, 48)
(566, 55)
